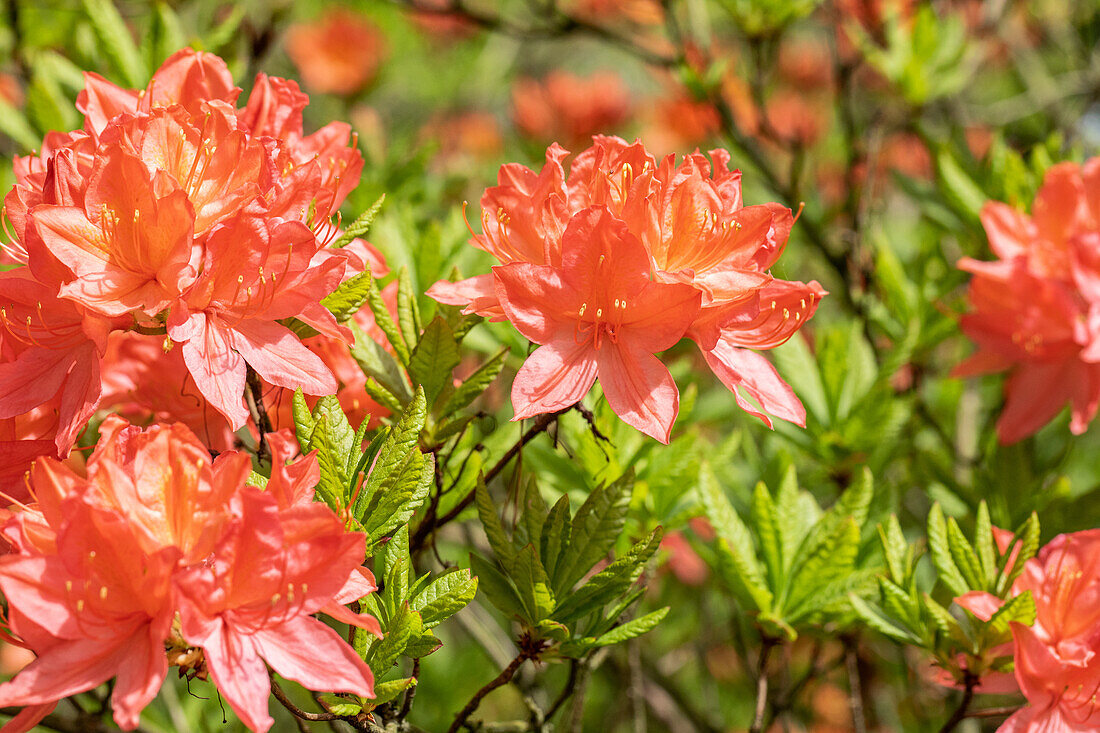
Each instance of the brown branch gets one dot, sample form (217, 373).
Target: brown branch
(970, 681)
(1002, 712)
(297, 711)
(762, 684)
(855, 686)
(425, 528)
(254, 398)
(501, 679)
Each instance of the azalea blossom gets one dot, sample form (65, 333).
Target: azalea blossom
(156, 531)
(571, 108)
(1035, 311)
(173, 211)
(597, 314)
(338, 53)
(694, 230)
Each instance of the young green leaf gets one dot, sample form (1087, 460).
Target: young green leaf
(940, 550)
(444, 597)
(632, 628)
(361, 225)
(434, 358)
(116, 42)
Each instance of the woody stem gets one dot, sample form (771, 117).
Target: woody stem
(970, 681)
(501, 679)
(542, 422)
(254, 398)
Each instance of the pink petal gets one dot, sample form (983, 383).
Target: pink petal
(280, 358)
(554, 377)
(240, 675)
(1035, 393)
(474, 294)
(218, 370)
(67, 668)
(306, 651)
(639, 389)
(1010, 230)
(140, 675)
(743, 368)
(536, 300)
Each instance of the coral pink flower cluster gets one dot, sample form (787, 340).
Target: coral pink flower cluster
(1057, 660)
(159, 548)
(620, 259)
(174, 212)
(1035, 311)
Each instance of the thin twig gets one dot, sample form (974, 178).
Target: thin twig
(855, 687)
(501, 679)
(254, 397)
(406, 706)
(297, 711)
(542, 423)
(570, 685)
(970, 680)
(1002, 712)
(762, 684)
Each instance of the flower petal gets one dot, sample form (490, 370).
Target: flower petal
(639, 389)
(554, 377)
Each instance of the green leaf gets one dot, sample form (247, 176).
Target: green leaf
(1019, 608)
(555, 534)
(494, 529)
(422, 645)
(632, 628)
(966, 560)
(15, 125)
(983, 540)
(894, 548)
(333, 483)
(256, 479)
(116, 41)
(341, 706)
(403, 437)
(880, 623)
(385, 322)
(434, 358)
(940, 550)
(794, 517)
(499, 590)
(166, 35)
(945, 623)
(361, 225)
(603, 587)
(408, 313)
(766, 524)
(304, 423)
(346, 300)
(594, 530)
(387, 691)
(476, 383)
(398, 496)
(959, 188)
(380, 364)
(1027, 540)
(533, 584)
(445, 596)
(830, 562)
(736, 554)
(405, 626)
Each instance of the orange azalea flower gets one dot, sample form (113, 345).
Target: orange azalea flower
(695, 231)
(566, 107)
(102, 566)
(1035, 312)
(339, 53)
(141, 217)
